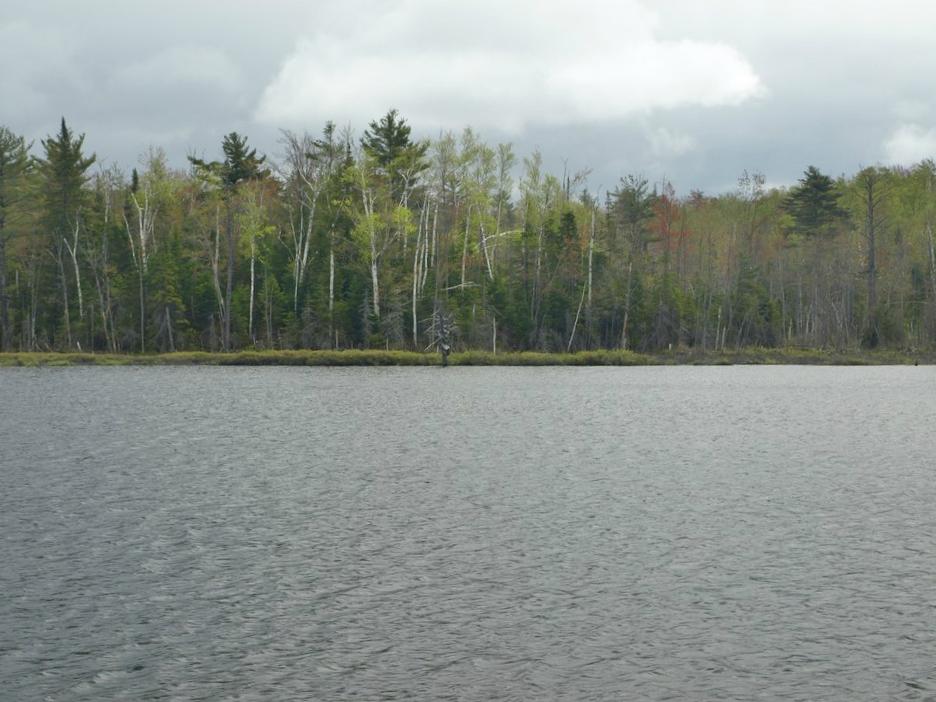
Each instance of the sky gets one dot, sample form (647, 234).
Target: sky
(694, 92)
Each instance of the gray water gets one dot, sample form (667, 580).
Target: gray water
(468, 533)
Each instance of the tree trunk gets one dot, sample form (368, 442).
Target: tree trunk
(73, 254)
(32, 338)
(67, 316)
(627, 301)
(591, 249)
(932, 261)
(331, 287)
(250, 323)
(216, 266)
(375, 283)
(537, 294)
(416, 259)
(169, 330)
(6, 336)
(229, 288)
(139, 260)
(142, 312)
(465, 247)
(578, 312)
(487, 257)
(268, 306)
(105, 310)
(871, 225)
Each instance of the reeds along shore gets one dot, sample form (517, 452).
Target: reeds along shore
(754, 356)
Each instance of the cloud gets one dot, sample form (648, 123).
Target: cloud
(201, 66)
(591, 83)
(667, 142)
(909, 144)
(507, 67)
(25, 89)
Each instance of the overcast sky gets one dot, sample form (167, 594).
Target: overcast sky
(690, 90)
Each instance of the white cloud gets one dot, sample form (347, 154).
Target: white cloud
(843, 76)
(910, 143)
(502, 66)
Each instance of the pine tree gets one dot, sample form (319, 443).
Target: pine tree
(14, 167)
(813, 204)
(240, 163)
(630, 208)
(396, 155)
(63, 172)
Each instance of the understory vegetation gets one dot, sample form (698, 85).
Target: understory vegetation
(377, 357)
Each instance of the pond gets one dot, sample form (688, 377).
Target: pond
(468, 533)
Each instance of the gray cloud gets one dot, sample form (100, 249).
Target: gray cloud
(693, 91)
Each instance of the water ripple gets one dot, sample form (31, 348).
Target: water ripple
(469, 534)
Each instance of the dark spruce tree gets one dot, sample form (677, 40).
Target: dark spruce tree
(63, 176)
(814, 205)
(397, 156)
(240, 163)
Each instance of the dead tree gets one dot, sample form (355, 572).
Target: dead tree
(442, 331)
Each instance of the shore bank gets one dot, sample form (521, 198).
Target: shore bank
(751, 356)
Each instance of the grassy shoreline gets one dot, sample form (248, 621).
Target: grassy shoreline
(750, 356)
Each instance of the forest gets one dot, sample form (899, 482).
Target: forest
(378, 241)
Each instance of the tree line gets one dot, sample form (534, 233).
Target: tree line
(373, 242)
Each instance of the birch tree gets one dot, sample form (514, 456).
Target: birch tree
(310, 166)
(241, 164)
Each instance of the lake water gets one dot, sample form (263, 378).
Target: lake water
(468, 533)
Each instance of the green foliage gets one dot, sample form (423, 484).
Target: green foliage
(601, 357)
(240, 163)
(387, 141)
(630, 209)
(338, 248)
(814, 204)
(14, 168)
(14, 172)
(63, 173)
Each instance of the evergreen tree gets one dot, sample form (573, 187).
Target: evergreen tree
(631, 208)
(63, 173)
(64, 176)
(240, 164)
(380, 244)
(14, 168)
(387, 141)
(813, 204)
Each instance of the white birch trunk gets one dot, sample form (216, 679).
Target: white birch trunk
(331, 280)
(465, 246)
(250, 316)
(591, 249)
(487, 258)
(73, 254)
(216, 263)
(416, 259)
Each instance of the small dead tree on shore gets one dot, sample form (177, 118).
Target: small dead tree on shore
(442, 330)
